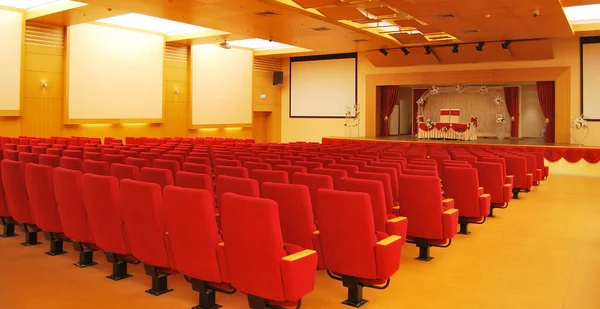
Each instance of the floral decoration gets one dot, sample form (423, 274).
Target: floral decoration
(444, 129)
(460, 88)
(483, 89)
(434, 90)
(500, 118)
(499, 100)
(579, 122)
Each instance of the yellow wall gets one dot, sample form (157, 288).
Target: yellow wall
(267, 110)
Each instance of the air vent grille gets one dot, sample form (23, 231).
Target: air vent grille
(267, 14)
(268, 64)
(44, 35)
(360, 40)
(320, 29)
(179, 53)
(471, 31)
(444, 16)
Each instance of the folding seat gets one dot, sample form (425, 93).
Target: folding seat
(92, 149)
(419, 173)
(491, 179)
(245, 158)
(422, 167)
(532, 167)
(353, 152)
(335, 174)
(384, 178)
(111, 151)
(129, 153)
(110, 159)
(295, 214)
(73, 154)
(54, 152)
(395, 165)
(469, 158)
(233, 171)
(49, 160)
(540, 164)
(241, 186)
(173, 157)
(71, 163)
(39, 149)
(9, 147)
(225, 158)
(160, 176)
(517, 166)
(366, 158)
(96, 167)
(400, 161)
(294, 159)
(27, 157)
(170, 165)
(352, 250)
(17, 202)
(197, 168)
(336, 158)
(124, 171)
(358, 163)
(275, 162)
(510, 179)
(77, 148)
(392, 172)
(194, 181)
(423, 161)
(252, 234)
(11, 155)
(385, 220)
(23, 148)
(270, 156)
(431, 220)
(145, 215)
(227, 162)
(314, 182)
(290, 169)
(324, 161)
(198, 160)
(39, 181)
(93, 156)
(309, 165)
(139, 162)
(263, 176)
(250, 166)
(462, 185)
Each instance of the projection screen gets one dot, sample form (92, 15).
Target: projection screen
(590, 77)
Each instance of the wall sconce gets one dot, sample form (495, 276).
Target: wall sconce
(44, 84)
(176, 91)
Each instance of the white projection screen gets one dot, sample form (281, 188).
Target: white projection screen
(323, 86)
(590, 77)
(114, 73)
(221, 86)
(11, 36)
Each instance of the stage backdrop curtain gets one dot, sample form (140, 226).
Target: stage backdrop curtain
(417, 93)
(389, 99)
(546, 94)
(470, 104)
(511, 96)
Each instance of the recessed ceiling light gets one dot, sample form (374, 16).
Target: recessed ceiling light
(27, 4)
(259, 44)
(150, 23)
(583, 14)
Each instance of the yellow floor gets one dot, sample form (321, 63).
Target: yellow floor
(542, 252)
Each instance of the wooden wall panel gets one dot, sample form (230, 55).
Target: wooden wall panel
(262, 83)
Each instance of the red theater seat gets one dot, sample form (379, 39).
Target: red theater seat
(390, 171)
(290, 169)
(197, 160)
(173, 157)
(194, 181)
(195, 241)
(324, 161)
(27, 157)
(71, 163)
(50, 160)
(17, 199)
(523, 181)
(309, 165)
(510, 179)
(93, 156)
(431, 220)
(462, 185)
(96, 167)
(145, 218)
(263, 176)
(197, 168)
(252, 234)
(73, 154)
(294, 159)
(68, 190)
(541, 165)
(256, 166)
(352, 250)
(335, 174)
(241, 186)
(314, 182)
(491, 179)
(110, 159)
(233, 171)
(227, 162)
(124, 171)
(12, 155)
(160, 176)
(150, 156)
(275, 162)
(139, 162)
(170, 165)
(387, 189)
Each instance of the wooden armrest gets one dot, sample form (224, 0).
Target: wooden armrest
(298, 255)
(397, 219)
(529, 174)
(316, 232)
(450, 211)
(510, 176)
(389, 240)
(217, 215)
(396, 208)
(448, 200)
(485, 195)
(222, 244)
(507, 185)
(480, 188)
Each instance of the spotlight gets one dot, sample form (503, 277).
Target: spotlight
(427, 50)
(479, 46)
(405, 51)
(455, 48)
(506, 44)
(383, 51)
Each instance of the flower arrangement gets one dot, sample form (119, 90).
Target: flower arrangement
(483, 89)
(500, 118)
(352, 113)
(428, 123)
(460, 88)
(444, 129)
(579, 122)
(499, 100)
(434, 90)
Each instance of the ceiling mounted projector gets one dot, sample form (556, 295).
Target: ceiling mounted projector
(225, 45)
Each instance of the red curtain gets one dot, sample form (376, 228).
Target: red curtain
(545, 92)
(417, 93)
(389, 99)
(511, 96)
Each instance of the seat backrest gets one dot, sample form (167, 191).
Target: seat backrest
(129, 153)
(146, 220)
(324, 161)
(251, 230)
(256, 166)
(96, 167)
(462, 185)
(392, 172)
(290, 169)
(150, 156)
(193, 232)
(421, 202)
(93, 156)
(170, 165)
(4, 212)
(241, 186)
(75, 164)
(12, 155)
(387, 186)
(314, 182)
(197, 168)
(358, 163)
(294, 159)
(233, 171)
(309, 165)
(497, 160)
(335, 174)
(113, 158)
(173, 157)
(124, 171)
(295, 212)
(227, 162)
(160, 176)
(39, 181)
(139, 162)
(68, 190)
(376, 193)
(263, 176)
(491, 179)
(517, 166)
(27, 157)
(73, 153)
(194, 181)
(346, 229)
(39, 149)
(50, 160)
(15, 191)
(275, 162)
(196, 159)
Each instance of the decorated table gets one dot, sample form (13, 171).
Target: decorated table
(446, 130)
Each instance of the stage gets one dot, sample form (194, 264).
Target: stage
(552, 151)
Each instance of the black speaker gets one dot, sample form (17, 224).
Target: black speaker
(277, 78)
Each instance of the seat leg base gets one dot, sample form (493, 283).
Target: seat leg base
(8, 228)
(355, 292)
(424, 249)
(491, 214)
(159, 281)
(206, 296)
(464, 225)
(119, 267)
(56, 245)
(30, 236)
(255, 302)
(86, 255)
(515, 192)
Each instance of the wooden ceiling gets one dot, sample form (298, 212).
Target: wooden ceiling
(335, 26)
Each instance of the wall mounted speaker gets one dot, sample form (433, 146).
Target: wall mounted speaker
(277, 78)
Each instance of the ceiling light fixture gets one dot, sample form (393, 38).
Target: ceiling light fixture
(383, 51)
(259, 44)
(405, 51)
(27, 4)
(583, 14)
(225, 45)
(151, 23)
(506, 44)
(479, 46)
(455, 48)
(427, 50)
